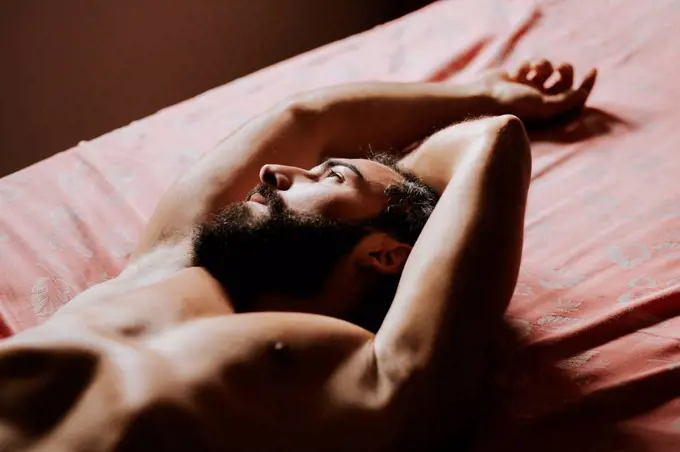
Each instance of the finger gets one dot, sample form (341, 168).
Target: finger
(520, 75)
(565, 79)
(573, 99)
(542, 70)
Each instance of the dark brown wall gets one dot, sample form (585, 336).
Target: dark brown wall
(71, 70)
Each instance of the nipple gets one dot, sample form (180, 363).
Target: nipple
(281, 352)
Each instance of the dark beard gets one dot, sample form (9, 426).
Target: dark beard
(284, 253)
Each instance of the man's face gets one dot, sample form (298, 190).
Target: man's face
(293, 230)
(338, 189)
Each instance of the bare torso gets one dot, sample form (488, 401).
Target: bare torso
(184, 373)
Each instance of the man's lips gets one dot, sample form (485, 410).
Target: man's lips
(258, 198)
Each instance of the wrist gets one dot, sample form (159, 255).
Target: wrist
(485, 99)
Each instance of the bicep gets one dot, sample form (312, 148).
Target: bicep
(286, 134)
(461, 273)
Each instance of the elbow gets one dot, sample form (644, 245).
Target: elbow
(303, 108)
(303, 115)
(511, 135)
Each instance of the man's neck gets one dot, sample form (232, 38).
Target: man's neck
(339, 296)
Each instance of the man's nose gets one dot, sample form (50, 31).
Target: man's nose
(280, 177)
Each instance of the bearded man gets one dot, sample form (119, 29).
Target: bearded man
(293, 291)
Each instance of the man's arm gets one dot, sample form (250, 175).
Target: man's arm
(346, 121)
(349, 121)
(462, 270)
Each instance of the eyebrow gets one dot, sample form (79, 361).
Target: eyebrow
(330, 163)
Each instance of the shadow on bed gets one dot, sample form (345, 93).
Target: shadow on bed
(537, 398)
(591, 123)
(532, 403)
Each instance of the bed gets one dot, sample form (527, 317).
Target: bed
(595, 357)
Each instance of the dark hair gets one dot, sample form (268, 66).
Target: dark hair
(410, 204)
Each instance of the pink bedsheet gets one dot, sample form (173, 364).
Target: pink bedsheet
(597, 305)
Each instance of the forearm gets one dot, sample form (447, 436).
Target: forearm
(344, 121)
(352, 120)
(359, 118)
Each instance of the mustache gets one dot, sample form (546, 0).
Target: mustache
(271, 195)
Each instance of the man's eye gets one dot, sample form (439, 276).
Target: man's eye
(332, 173)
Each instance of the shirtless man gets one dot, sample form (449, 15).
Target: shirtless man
(256, 325)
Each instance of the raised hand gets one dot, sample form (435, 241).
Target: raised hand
(537, 91)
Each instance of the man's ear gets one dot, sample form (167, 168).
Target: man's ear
(382, 253)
